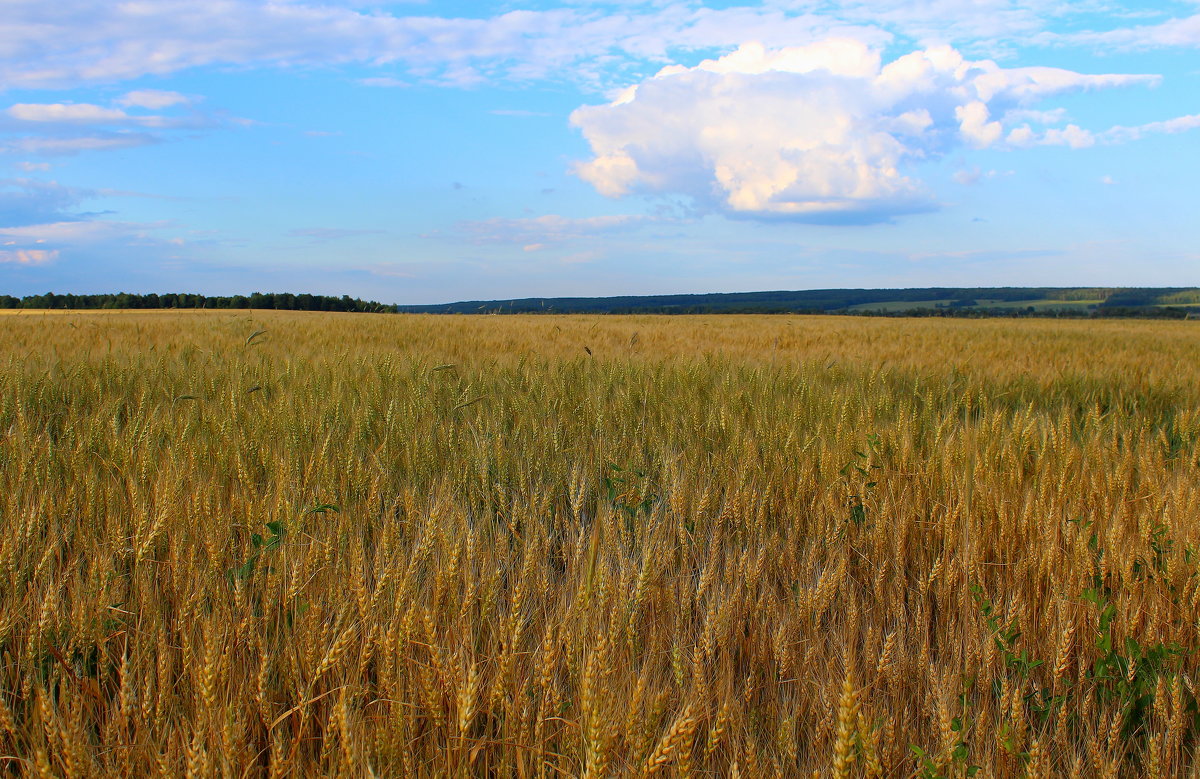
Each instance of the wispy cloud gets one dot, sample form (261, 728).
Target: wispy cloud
(1179, 124)
(535, 233)
(28, 256)
(54, 145)
(153, 99)
(329, 234)
(516, 112)
(42, 222)
(68, 232)
(387, 82)
(77, 41)
(1181, 32)
(65, 128)
(1078, 138)
(83, 113)
(973, 175)
(25, 201)
(984, 255)
(90, 114)
(72, 242)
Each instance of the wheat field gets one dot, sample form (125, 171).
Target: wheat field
(247, 544)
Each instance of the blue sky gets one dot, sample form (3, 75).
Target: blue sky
(424, 152)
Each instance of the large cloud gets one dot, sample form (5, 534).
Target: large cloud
(816, 133)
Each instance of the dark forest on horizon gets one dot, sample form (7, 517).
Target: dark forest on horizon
(1075, 302)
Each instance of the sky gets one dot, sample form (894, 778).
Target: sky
(426, 152)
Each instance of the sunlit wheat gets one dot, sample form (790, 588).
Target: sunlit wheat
(285, 544)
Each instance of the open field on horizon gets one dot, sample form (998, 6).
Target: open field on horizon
(249, 543)
(907, 305)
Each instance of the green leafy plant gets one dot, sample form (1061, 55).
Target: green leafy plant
(1128, 672)
(1129, 677)
(960, 753)
(259, 544)
(1005, 637)
(858, 481)
(622, 486)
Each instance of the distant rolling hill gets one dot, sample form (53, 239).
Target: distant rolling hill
(1164, 302)
(946, 301)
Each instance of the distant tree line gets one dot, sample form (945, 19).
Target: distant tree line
(984, 312)
(1159, 302)
(949, 311)
(282, 301)
(778, 301)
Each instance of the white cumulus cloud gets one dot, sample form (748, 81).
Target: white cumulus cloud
(819, 133)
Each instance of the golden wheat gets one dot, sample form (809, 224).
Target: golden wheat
(544, 546)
